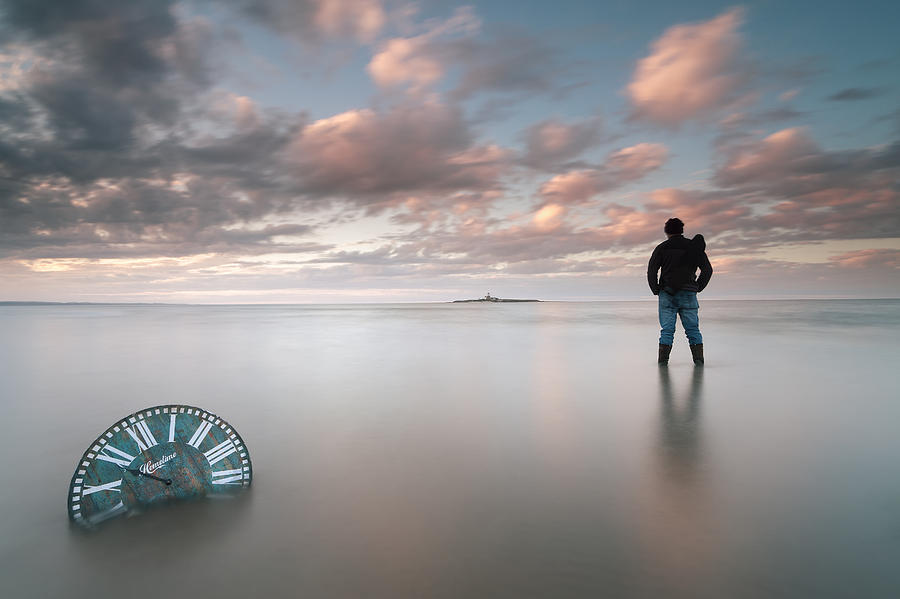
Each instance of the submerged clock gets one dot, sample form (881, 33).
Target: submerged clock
(158, 454)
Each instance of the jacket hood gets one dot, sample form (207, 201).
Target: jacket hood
(698, 243)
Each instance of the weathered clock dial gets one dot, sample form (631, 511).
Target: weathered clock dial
(158, 454)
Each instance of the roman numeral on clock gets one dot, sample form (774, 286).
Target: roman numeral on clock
(227, 477)
(200, 434)
(113, 486)
(226, 448)
(141, 434)
(128, 458)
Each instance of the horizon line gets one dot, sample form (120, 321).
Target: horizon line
(412, 302)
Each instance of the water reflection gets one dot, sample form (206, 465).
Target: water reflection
(680, 450)
(678, 534)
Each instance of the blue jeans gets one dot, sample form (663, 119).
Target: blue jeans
(685, 304)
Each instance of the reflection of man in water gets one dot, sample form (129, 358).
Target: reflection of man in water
(680, 520)
(677, 287)
(680, 424)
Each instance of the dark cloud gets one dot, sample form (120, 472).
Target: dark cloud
(116, 43)
(280, 15)
(108, 137)
(46, 18)
(316, 20)
(852, 94)
(194, 215)
(85, 118)
(103, 72)
(511, 63)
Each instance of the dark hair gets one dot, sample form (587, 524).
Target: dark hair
(674, 226)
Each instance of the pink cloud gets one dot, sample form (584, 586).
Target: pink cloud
(694, 70)
(866, 259)
(810, 193)
(315, 20)
(362, 19)
(702, 212)
(403, 61)
(633, 163)
(410, 148)
(505, 63)
(621, 167)
(630, 226)
(574, 187)
(552, 141)
(421, 60)
(781, 154)
(549, 217)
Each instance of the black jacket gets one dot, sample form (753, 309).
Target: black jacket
(679, 259)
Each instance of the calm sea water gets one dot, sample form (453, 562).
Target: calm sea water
(501, 450)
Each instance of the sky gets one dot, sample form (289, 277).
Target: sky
(297, 151)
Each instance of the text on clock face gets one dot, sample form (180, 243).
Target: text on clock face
(151, 467)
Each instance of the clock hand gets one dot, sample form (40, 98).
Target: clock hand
(137, 472)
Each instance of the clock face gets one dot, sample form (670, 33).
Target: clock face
(158, 454)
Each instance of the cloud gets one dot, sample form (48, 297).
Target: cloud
(573, 187)
(481, 61)
(632, 163)
(194, 211)
(712, 213)
(114, 144)
(852, 94)
(362, 19)
(362, 155)
(99, 74)
(510, 63)
(552, 142)
(806, 192)
(709, 212)
(422, 60)
(549, 217)
(693, 72)
(117, 148)
(789, 163)
(620, 167)
(781, 155)
(867, 259)
(317, 20)
(403, 61)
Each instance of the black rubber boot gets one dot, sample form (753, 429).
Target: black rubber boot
(697, 353)
(664, 351)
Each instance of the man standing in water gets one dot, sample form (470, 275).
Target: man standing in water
(677, 287)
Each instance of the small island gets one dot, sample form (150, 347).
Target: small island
(491, 298)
